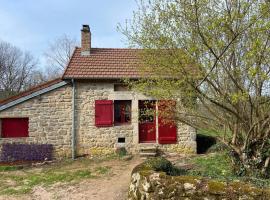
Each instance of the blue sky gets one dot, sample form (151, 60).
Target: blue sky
(32, 24)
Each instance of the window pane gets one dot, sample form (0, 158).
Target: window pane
(117, 113)
(122, 111)
(147, 111)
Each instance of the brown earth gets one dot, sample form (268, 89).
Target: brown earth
(112, 186)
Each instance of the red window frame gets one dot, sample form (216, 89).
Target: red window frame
(123, 104)
(14, 127)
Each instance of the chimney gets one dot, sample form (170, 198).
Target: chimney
(85, 40)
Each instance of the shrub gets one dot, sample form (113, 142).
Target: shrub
(121, 151)
(160, 164)
(218, 147)
(26, 152)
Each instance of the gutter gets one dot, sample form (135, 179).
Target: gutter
(73, 131)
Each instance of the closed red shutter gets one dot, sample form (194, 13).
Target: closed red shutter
(103, 113)
(167, 129)
(14, 127)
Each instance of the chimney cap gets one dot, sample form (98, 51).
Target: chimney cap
(85, 28)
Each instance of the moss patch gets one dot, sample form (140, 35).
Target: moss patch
(159, 164)
(216, 187)
(156, 173)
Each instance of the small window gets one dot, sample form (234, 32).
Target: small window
(14, 127)
(121, 140)
(122, 112)
(120, 87)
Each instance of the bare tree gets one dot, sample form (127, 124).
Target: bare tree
(16, 68)
(59, 53)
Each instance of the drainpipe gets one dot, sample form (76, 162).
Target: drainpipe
(73, 131)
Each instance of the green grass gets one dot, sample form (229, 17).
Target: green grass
(214, 165)
(218, 166)
(102, 170)
(213, 133)
(16, 181)
(8, 168)
(25, 183)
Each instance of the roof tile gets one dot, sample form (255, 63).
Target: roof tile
(104, 62)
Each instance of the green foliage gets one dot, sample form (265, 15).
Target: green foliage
(219, 166)
(121, 152)
(9, 168)
(161, 164)
(213, 58)
(218, 147)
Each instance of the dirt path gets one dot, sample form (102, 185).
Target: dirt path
(111, 186)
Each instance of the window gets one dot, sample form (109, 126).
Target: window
(121, 140)
(147, 111)
(120, 87)
(14, 127)
(108, 113)
(122, 112)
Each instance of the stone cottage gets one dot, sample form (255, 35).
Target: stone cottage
(89, 110)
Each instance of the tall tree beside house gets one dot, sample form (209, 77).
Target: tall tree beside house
(58, 54)
(16, 69)
(214, 55)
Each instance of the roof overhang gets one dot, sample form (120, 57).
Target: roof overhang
(32, 95)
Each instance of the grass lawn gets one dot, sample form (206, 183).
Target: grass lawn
(16, 181)
(218, 166)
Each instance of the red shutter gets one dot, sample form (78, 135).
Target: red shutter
(14, 127)
(103, 113)
(167, 129)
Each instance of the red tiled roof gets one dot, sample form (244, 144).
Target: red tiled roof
(30, 91)
(104, 63)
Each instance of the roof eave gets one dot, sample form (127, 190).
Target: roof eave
(14, 102)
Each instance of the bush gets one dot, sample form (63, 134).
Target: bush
(121, 151)
(26, 152)
(160, 164)
(218, 147)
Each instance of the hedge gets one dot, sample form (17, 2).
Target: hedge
(25, 152)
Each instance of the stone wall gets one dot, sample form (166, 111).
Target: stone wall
(95, 140)
(146, 185)
(100, 140)
(49, 120)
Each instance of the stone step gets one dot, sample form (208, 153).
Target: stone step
(148, 154)
(148, 149)
(147, 146)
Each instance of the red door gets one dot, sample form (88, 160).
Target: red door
(147, 121)
(167, 130)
